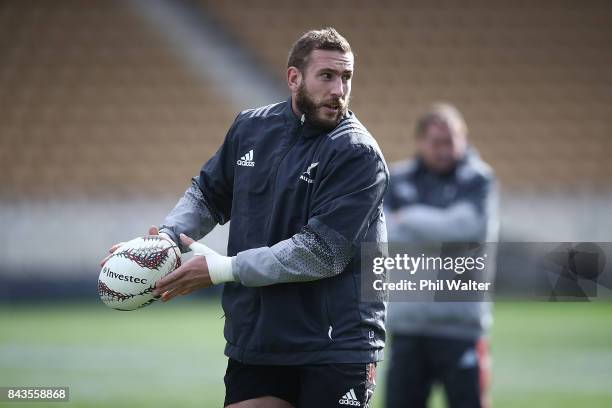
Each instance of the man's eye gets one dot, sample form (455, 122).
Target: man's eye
(326, 75)
(346, 77)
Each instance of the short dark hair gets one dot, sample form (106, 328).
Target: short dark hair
(442, 113)
(324, 39)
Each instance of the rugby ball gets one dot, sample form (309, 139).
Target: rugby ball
(128, 277)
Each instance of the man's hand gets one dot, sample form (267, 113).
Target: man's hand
(187, 278)
(152, 231)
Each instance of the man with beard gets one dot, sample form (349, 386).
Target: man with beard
(302, 182)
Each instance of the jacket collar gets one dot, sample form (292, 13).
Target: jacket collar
(308, 130)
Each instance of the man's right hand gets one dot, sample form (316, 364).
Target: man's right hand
(153, 230)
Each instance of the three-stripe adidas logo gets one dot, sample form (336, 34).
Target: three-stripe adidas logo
(348, 126)
(262, 111)
(349, 399)
(246, 160)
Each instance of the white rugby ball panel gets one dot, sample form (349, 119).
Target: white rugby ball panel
(127, 279)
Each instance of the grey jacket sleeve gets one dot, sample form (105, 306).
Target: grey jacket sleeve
(343, 208)
(191, 216)
(459, 222)
(472, 219)
(316, 252)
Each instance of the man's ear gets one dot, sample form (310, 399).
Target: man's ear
(294, 78)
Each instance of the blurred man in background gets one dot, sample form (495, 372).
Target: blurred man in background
(447, 193)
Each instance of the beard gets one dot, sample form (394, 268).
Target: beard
(314, 111)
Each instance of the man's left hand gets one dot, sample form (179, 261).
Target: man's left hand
(187, 278)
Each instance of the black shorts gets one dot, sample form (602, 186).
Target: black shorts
(417, 362)
(306, 386)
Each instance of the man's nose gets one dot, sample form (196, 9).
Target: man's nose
(337, 88)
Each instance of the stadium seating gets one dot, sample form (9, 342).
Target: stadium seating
(91, 91)
(93, 102)
(532, 78)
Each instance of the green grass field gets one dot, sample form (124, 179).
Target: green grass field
(544, 354)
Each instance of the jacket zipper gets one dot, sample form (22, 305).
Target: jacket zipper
(295, 136)
(330, 329)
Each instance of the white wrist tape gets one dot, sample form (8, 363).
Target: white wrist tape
(164, 235)
(219, 266)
